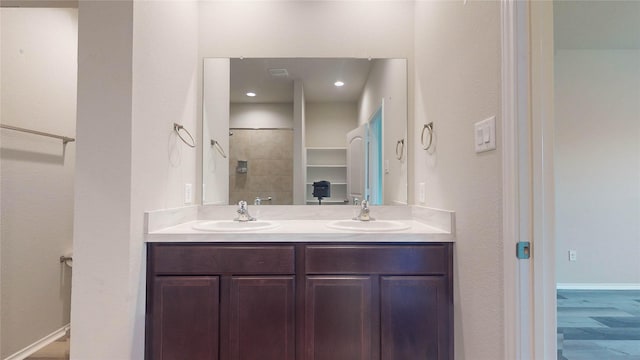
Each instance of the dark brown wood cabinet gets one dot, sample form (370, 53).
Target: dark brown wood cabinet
(220, 302)
(338, 318)
(300, 301)
(185, 317)
(414, 317)
(261, 318)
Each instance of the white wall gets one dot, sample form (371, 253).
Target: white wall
(101, 301)
(165, 90)
(38, 91)
(327, 124)
(277, 116)
(137, 76)
(597, 165)
(306, 29)
(457, 56)
(388, 80)
(215, 126)
(299, 139)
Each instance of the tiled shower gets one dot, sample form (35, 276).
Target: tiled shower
(269, 171)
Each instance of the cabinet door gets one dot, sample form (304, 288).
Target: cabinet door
(415, 318)
(262, 320)
(338, 318)
(185, 318)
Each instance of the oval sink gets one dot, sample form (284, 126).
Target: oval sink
(234, 226)
(368, 226)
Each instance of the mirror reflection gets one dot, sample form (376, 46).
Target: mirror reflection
(274, 127)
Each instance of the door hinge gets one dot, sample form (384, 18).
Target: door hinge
(523, 250)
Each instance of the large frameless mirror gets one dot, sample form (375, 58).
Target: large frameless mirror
(274, 127)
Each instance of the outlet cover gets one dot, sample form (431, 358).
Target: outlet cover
(421, 192)
(573, 255)
(188, 193)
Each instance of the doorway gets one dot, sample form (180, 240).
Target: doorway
(375, 158)
(597, 178)
(533, 77)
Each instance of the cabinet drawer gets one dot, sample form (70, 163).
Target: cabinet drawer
(401, 259)
(170, 259)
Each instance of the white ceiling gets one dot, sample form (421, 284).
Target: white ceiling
(587, 24)
(317, 75)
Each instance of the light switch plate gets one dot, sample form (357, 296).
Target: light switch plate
(485, 135)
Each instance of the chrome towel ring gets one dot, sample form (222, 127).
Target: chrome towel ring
(399, 149)
(426, 144)
(216, 144)
(179, 129)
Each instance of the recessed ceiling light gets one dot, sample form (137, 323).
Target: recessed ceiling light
(338, 83)
(251, 94)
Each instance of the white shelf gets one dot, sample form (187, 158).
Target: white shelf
(331, 174)
(330, 164)
(333, 183)
(327, 148)
(325, 201)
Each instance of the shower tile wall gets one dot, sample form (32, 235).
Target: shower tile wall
(269, 156)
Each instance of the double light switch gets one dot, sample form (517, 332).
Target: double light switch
(485, 134)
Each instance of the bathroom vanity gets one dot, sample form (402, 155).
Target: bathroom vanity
(289, 293)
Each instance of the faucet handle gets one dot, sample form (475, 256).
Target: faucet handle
(243, 212)
(364, 212)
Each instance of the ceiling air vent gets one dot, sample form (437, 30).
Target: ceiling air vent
(279, 72)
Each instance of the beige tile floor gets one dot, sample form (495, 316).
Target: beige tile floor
(58, 350)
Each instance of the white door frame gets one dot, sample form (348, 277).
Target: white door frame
(527, 164)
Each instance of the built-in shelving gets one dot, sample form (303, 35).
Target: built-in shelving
(330, 164)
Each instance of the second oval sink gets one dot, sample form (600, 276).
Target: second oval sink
(370, 226)
(234, 226)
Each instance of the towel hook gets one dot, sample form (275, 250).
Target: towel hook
(400, 144)
(177, 127)
(216, 144)
(427, 145)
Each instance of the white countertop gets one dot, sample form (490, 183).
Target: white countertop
(300, 224)
(301, 231)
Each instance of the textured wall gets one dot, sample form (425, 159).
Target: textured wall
(39, 73)
(137, 76)
(457, 78)
(597, 165)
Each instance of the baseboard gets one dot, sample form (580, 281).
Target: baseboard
(33, 348)
(597, 286)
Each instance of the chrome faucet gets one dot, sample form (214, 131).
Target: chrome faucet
(258, 200)
(364, 212)
(243, 212)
